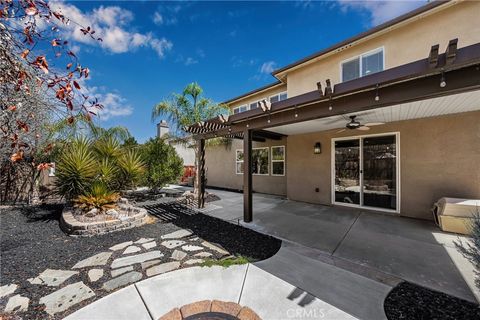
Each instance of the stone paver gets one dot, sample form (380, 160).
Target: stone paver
(230, 308)
(121, 246)
(247, 314)
(203, 254)
(190, 247)
(177, 234)
(52, 278)
(174, 314)
(195, 307)
(122, 280)
(170, 244)
(120, 271)
(150, 263)
(144, 240)
(178, 255)
(193, 261)
(66, 297)
(95, 274)
(7, 289)
(139, 258)
(213, 247)
(17, 303)
(149, 245)
(162, 268)
(132, 249)
(99, 259)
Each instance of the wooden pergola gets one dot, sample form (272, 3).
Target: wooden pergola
(454, 71)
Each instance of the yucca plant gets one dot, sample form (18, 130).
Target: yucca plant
(109, 173)
(98, 197)
(131, 167)
(76, 169)
(108, 147)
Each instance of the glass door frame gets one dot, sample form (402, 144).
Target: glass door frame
(397, 164)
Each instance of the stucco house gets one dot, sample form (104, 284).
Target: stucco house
(388, 120)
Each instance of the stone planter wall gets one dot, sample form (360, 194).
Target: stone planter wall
(73, 227)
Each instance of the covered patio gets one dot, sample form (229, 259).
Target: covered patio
(431, 88)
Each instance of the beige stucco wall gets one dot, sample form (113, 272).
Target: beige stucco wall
(439, 157)
(259, 96)
(220, 163)
(402, 45)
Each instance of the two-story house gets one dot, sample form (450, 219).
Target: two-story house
(388, 120)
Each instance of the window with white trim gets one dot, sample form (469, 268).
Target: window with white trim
(278, 161)
(363, 65)
(240, 109)
(278, 97)
(259, 161)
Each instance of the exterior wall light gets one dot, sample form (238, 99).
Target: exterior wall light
(317, 148)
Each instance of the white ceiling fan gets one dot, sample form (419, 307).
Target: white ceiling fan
(356, 125)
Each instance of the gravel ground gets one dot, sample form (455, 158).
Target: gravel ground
(410, 301)
(31, 241)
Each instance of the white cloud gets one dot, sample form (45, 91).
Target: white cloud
(157, 18)
(190, 61)
(268, 67)
(112, 25)
(381, 10)
(114, 105)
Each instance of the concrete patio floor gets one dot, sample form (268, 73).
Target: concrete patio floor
(379, 247)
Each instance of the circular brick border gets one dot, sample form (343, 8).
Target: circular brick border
(229, 308)
(73, 227)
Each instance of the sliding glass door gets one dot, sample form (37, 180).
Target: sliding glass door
(365, 171)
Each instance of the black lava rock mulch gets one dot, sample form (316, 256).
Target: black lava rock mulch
(233, 238)
(410, 301)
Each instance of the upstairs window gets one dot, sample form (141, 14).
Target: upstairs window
(278, 97)
(240, 109)
(363, 65)
(254, 105)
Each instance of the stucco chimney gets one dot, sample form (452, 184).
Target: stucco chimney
(162, 128)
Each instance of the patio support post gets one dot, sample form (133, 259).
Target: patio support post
(201, 159)
(247, 176)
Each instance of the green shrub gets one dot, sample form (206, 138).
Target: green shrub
(163, 165)
(131, 167)
(76, 169)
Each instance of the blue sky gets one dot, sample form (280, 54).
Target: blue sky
(151, 48)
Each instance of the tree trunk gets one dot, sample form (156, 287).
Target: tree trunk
(196, 181)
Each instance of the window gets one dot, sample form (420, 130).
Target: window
(240, 109)
(278, 97)
(239, 162)
(363, 65)
(259, 161)
(278, 161)
(254, 105)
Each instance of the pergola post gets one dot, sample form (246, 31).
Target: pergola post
(247, 176)
(201, 166)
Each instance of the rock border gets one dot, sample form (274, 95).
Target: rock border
(73, 227)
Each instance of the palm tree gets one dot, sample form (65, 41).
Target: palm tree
(185, 109)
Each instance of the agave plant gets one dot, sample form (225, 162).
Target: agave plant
(108, 173)
(131, 166)
(76, 169)
(98, 197)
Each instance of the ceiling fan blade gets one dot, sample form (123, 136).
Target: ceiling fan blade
(370, 124)
(363, 128)
(341, 130)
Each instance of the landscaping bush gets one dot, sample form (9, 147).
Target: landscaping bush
(471, 251)
(163, 165)
(92, 172)
(98, 197)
